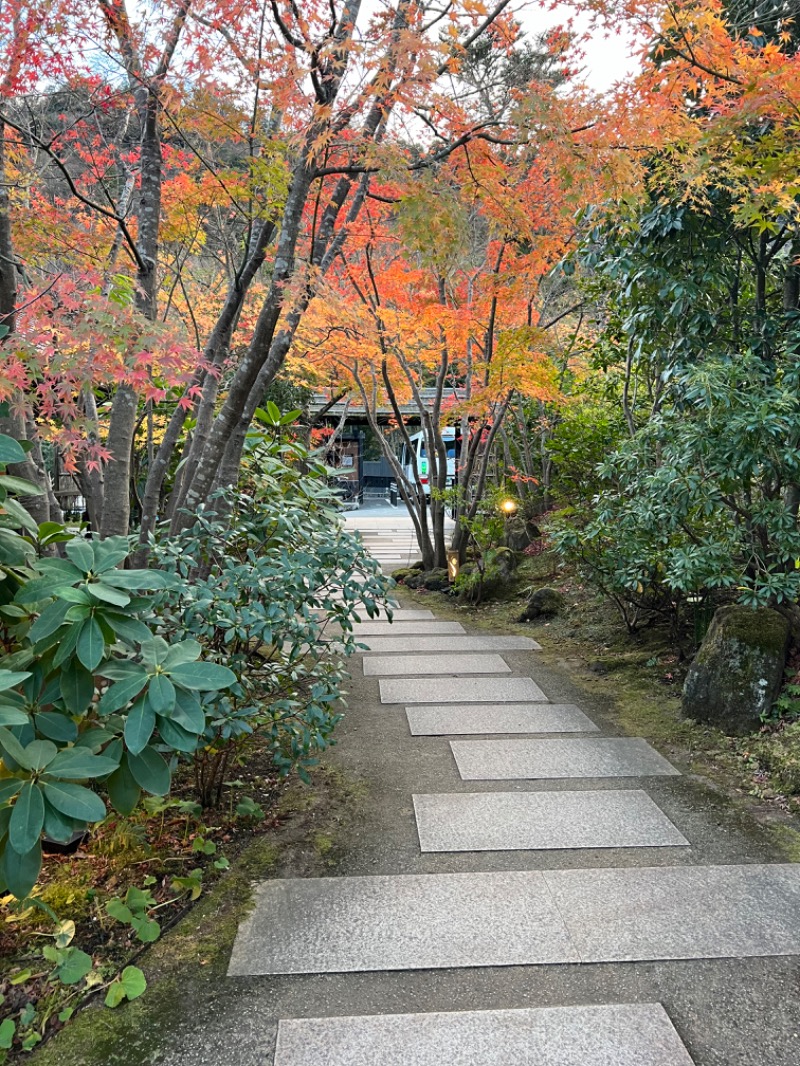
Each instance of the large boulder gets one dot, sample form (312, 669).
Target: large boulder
(543, 603)
(738, 671)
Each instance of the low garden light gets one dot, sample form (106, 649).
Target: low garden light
(453, 565)
(508, 506)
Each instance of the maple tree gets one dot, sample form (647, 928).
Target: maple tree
(226, 161)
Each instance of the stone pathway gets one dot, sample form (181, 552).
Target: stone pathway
(637, 878)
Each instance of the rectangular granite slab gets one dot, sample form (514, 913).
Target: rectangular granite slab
(469, 642)
(420, 628)
(506, 760)
(518, 918)
(405, 922)
(424, 665)
(412, 614)
(638, 1034)
(466, 690)
(450, 719)
(515, 821)
(680, 912)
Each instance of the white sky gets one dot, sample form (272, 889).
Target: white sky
(608, 59)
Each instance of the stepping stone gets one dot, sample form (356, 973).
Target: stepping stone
(422, 665)
(680, 912)
(451, 643)
(519, 918)
(406, 629)
(505, 760)
(408, 614)
(501, 821)
(447, 719)
(626, 1035)
(447, 690)
(404, 922)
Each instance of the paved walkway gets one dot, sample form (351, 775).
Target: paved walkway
(387, 532)
(527, 888)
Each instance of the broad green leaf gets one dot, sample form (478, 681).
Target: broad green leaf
(188, 651)
(78, 596)
(188, 712)
(49, 621)
(91, 645)
(12, 678)
(139, 725)
(154, 651)
(11, 716)
(161, 694)
(40, 588)
(27, 818)
(94, 739)
(74, 800)
(11, 451)
(117, 910)
(130, 984)
(14, 551)
(19, 486)
(107, 594)
(120, 669)
(138, 579)
(67, 644)
(109, 553)
(132, 630)
(76, 764)
(77, 688)
(150, 772)
(56, 726)
(64, 933)
(123, 790)
(7, 1030)
(121, 693)
(57, 825)
(81, 553)
(73, 966)
(202, 677)
(12, 747)
(20, 872)
(147, 929)
(9, 787)
(176, 736)
(39, 754)
(66, 572)
(17, 512)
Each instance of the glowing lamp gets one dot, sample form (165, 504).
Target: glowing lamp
(452, 565)
(508, 506)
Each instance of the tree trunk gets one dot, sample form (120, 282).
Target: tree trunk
(265, 352)
(124, 409)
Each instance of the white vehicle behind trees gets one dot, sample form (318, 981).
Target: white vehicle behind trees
(417, 442)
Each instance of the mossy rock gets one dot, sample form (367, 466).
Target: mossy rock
(505, 562)
(543, 603)
(402, 574)
(737, 674)
(434, 580)
(521, 532)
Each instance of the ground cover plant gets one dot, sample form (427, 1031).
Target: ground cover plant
(99, 711)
